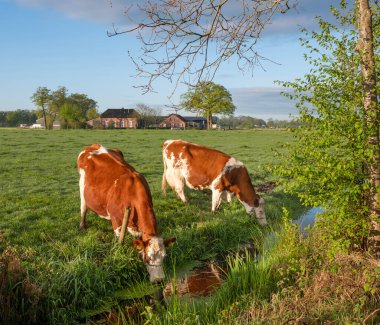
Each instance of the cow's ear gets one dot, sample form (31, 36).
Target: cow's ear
(170, 241)
(138, 244)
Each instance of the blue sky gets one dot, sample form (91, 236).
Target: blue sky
(52, 43)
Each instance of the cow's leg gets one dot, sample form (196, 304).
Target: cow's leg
(179, 189)
(227, 196)
(132, 224)
(116, 225)
(176, 182)
(83, 212)
(216, 200)
(83, 205)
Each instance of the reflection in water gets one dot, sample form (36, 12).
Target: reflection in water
(201, 282)
(204, 280)
(307, 220)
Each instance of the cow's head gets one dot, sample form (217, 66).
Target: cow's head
(258, 209)
(153, 253)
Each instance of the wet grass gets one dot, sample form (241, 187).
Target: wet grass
(81, 271)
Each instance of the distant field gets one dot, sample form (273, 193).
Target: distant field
(78, 271)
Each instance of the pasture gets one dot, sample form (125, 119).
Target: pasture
(77, 272)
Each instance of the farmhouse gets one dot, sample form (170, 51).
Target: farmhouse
(176, 121)
(119, 118)
(173, 121)
(40, 123)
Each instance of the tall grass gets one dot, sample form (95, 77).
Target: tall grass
(78, 271)
(246, 276)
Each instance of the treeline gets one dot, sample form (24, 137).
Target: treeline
(74, 113)
(282, 124)
(248, 122)
(72, 110)
(15, 118)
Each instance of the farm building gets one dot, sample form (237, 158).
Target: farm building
(176, 121)
(173, 121)
(119, 118)
(40, 123)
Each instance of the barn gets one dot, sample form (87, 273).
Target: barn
(176, 121)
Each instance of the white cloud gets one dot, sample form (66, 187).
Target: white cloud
(104, 11)
(113, 11)
(303, 15)
(263, 102)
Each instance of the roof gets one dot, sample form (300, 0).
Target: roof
(198, 119)
(195, 119)
(119, 113)
(176, 115)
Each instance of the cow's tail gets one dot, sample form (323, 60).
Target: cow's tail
(124, 225)
(163, 184)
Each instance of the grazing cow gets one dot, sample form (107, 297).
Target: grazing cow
(110, 187)
(201, 168)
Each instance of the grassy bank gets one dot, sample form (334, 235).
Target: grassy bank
(293, 282)
(72, 271)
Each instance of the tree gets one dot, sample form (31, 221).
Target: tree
(20, 116)
(180, 38)
(72, 115)
(332, 161)
(147, 115)
(75, 107)
(206, 99)
(57, 100)
(3, 119)
(246, 122)
(92, 114)
(365, 47)
(42, 98)
(83, 102)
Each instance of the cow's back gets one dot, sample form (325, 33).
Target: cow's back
(102, 169)
(200, 165)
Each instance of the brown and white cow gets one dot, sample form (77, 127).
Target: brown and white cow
(200, 167)
(108, 186)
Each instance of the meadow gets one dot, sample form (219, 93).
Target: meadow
(76, 273)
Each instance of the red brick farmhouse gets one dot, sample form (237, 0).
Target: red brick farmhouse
(119, 118)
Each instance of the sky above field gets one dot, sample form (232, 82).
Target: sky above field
(52, 43)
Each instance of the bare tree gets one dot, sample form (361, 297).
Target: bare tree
(188, 40)
(148, 116)
(372, 117)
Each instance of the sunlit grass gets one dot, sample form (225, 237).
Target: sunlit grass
(79, 271)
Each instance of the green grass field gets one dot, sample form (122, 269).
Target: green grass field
(81, 271)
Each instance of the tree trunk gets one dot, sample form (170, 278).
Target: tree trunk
(45, 119)
(209, 121)
(370, 103)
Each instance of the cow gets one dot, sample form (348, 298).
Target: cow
(109, 186)
(200, 167)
